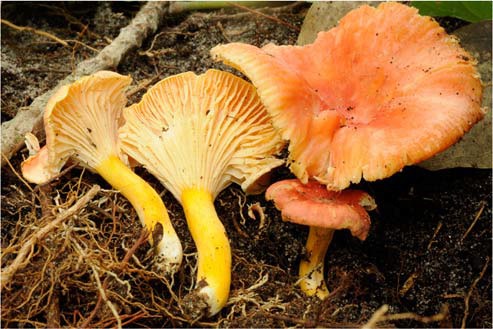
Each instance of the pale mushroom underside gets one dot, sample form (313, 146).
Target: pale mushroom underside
(81, 122)
(203, 131)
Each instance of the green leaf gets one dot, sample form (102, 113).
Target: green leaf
(471, 11)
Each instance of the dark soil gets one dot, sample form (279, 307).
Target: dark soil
(428, 251)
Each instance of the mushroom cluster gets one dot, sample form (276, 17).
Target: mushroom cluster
(384, 89)
(196, 134)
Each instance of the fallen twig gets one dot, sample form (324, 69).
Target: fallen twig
(469, 294)
(381, 315)
(478, 214)
(432, 240)
(20, 260)
(272, 18)
(149, 52)
(4, 158)
(38, 32)
(77, 42)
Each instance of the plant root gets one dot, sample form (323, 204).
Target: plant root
(27, 249)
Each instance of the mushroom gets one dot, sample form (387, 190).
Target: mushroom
(386, 88)
(81, 122)
(197, 135)
(324, 211)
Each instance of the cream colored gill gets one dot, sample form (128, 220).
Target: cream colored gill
(83, 122)
(201, 132)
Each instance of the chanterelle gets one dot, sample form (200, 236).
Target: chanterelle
(197, 135)
(81, 122)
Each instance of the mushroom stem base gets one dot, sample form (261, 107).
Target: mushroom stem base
(311, 271)
(150, 209)
(214, 252)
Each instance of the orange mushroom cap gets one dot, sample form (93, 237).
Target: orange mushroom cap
(312, 204)
(384, 89)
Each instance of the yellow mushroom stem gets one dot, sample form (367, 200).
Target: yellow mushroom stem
(151, 211)
(312, 268)
(214, 252)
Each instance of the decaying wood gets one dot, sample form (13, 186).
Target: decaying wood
(30, 119)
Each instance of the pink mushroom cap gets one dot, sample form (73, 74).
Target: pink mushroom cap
(312, 204)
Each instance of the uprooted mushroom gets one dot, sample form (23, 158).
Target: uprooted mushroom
(81, 122)
(385, 89)
(197, 135)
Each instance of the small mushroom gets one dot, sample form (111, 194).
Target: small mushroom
(197, 135)
(386, 88)
(81, 122)
(324, 211)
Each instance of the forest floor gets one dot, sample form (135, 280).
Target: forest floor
(428, 252)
